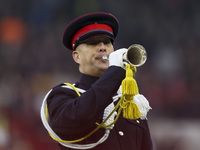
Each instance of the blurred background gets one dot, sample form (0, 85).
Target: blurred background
(33, 60)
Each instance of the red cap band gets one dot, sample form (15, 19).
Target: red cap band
(90, 28)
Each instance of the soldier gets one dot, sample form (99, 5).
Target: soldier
(75, 112)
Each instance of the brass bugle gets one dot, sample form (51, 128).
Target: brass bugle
(136, 55)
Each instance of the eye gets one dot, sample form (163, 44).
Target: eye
(93, 42)
(106, 41)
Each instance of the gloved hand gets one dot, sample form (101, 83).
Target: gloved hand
(116, 58)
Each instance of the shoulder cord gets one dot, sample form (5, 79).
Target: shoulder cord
(105, 124)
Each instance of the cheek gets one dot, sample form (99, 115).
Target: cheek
(110, 49)
(86, 59)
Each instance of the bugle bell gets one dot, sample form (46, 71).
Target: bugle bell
(136, 55)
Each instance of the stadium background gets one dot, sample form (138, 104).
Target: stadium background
(33, 60)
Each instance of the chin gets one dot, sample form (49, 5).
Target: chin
(103, 67)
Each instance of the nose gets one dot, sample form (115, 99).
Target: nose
(102, 47)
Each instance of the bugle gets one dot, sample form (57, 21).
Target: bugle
(136, 55)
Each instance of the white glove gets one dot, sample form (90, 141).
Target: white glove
(116, 58)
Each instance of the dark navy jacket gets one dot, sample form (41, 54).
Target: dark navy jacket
(72, 117)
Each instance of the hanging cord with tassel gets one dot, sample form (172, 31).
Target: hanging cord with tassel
(129, 90)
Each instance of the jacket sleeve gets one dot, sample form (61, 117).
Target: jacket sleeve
(70, 114)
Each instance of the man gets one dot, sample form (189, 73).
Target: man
(73, 119)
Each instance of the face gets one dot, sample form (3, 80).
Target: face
(89, 56)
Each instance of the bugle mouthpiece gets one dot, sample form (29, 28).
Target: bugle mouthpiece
(104, 58)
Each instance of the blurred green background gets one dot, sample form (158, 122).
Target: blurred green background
(33, 60)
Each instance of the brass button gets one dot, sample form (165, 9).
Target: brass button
(121, 133)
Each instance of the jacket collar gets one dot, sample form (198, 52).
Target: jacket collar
(86, 81)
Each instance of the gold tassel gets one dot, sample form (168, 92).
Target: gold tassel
(129, 90)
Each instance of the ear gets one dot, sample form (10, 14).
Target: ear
(76, 56)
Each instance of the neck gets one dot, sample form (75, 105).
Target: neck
(97, 74)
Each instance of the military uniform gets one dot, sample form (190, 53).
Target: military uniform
(73, 117)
